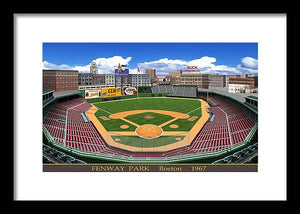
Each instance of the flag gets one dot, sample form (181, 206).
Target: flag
(138, 70)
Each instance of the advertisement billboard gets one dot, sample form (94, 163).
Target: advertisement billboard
(121, 71)
(130, 91)
(111, 92)
(92, 93)
(191, 69)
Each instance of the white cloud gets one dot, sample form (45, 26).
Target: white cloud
(51, 66)
(250, 62)
(163, 66)
(108, 65)
(105, 65)
(205, 64)
(248, 65)
(133, 70)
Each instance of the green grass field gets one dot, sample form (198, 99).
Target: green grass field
(156, 120)
(188, 106)
(113, 125)
(147, 143)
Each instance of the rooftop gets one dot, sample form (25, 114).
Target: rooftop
(60, 70)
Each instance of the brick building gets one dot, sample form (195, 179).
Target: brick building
(152, 73)
(60, 80)
(199, 80)
(251, 81)
(230, 76)
(244, 84)
(175, 77)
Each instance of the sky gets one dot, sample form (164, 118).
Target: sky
(220, 58)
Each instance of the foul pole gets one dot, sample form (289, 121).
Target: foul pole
(207, 96)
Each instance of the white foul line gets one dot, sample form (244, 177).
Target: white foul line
(227, 126)
(65, 137)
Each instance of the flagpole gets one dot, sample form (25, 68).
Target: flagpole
(137, 79)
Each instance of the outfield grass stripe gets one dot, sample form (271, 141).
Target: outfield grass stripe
(150, 103)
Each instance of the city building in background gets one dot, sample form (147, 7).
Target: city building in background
(109, 79)
(60, 80)
(245, 84)
(230, 76)
(199, 80)
(98, 79)
(163, 80)
(139, 80)
(85, 79)
(175, 77)
(216, 80)
(152, 73)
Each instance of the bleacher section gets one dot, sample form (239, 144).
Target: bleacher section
(75, 132)
(178, 91)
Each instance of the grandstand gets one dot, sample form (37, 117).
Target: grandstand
(233, 125)
(177, 91)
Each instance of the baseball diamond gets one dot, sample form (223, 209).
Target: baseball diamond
(170, 118)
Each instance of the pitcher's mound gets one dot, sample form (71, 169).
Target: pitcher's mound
(149, 117)
(149, 131)
(174, 126)
(124, 127)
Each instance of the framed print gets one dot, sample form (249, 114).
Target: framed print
(150, 106)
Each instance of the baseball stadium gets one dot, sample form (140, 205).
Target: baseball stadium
(163, 124)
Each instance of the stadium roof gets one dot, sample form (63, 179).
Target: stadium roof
(237, 96)
(47, 91)
(252, 97)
